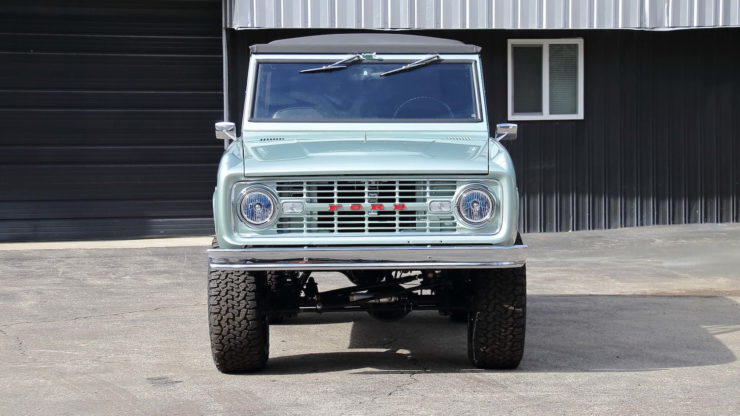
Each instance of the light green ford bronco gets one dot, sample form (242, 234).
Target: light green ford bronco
(368, 155)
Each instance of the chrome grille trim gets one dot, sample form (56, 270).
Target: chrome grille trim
(414, 194)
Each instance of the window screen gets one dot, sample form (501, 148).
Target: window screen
(527, 84)
(563, 79)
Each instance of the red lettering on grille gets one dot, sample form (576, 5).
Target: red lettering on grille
(355, 207)
(376, 207)
(399, 207)
(336, 207)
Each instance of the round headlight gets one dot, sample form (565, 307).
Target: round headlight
(475, 205)
(258, 206)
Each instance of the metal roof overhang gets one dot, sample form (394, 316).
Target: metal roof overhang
(482, 14)
(364, 42)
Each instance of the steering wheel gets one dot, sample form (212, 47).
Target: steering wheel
(441, 105)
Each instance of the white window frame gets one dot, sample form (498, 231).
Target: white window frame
(545, 115)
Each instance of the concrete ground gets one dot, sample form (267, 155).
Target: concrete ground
(632, 321)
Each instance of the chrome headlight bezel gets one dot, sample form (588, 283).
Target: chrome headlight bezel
(274, 201)
(486, 220)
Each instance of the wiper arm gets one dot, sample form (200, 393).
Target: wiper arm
(336, 65)
(412, 65)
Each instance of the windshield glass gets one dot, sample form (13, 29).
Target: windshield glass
(442, 91)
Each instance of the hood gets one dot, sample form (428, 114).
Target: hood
(371, 154)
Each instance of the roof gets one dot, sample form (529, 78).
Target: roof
(365, 42)
(482, 14)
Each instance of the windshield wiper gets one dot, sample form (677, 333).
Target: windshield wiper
(336, 65)
(412, 65)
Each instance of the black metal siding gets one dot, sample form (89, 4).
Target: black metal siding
(659, 143)
(106, 115)
(106, 112)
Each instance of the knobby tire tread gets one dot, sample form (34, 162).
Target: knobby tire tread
(238, 326)
(496, 325)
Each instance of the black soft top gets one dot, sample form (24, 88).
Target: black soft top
(365, 42)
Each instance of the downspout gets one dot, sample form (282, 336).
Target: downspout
(225, 13)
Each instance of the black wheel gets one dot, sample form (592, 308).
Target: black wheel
(238, 324)
(497, 321)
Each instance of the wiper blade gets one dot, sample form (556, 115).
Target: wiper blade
(412, 65)
(336, 65)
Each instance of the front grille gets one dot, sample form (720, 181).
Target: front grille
(405, 205)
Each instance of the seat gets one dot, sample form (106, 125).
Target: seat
(297, 113)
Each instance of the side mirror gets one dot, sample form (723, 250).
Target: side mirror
(225, 130)
(505, 131)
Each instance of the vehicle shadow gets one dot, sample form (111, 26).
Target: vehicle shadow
(564, 334)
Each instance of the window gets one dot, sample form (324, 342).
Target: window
(545, 79)
(441, 92)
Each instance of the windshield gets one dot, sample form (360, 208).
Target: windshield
(442, 91)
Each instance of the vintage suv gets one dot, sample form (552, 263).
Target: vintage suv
(369, 155)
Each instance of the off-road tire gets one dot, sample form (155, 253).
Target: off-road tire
(498, 318)
(238, 325)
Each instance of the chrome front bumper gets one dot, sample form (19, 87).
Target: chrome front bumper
(371, 257)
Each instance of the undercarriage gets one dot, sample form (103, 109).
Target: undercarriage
(374, 291)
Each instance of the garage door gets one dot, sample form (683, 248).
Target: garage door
(106, 115)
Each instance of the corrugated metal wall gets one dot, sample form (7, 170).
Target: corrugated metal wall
(659, 144)
(106, 115)
(483, 14)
